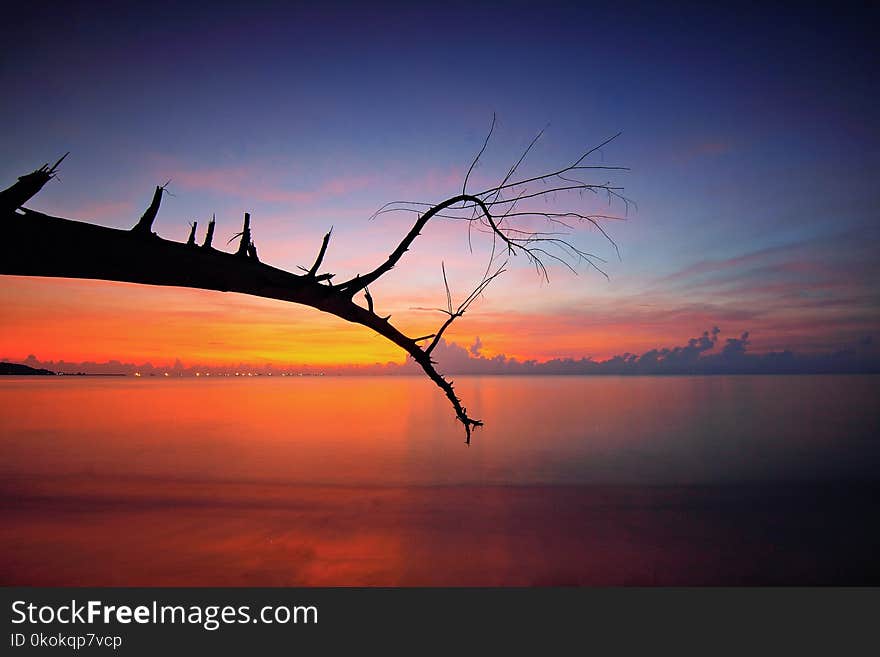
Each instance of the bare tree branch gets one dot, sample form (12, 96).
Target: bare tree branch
(477, 158)
(29, 185)
(463, 306)
(314, 270)
(209, 237)
(192, 233)
(144, 226)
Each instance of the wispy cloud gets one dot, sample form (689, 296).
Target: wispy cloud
(689, 150)
(289, 182)
(261, 183)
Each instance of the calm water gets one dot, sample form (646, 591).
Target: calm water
(338, 480)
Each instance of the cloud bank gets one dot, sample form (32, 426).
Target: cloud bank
(706, 354)
(703, 355)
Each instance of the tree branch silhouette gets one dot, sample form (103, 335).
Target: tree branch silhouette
(36, 244)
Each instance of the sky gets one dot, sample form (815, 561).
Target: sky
(750, 134)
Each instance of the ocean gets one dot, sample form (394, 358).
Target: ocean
(263, 481)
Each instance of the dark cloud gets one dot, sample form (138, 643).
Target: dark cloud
(736, 346)
(699, 356)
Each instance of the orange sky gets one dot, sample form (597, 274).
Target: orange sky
(77, 320)
(754, 176)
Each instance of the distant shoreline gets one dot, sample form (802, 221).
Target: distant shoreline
(16, 369)
(7, 368)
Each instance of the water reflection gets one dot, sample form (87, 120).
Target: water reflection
(367, 481)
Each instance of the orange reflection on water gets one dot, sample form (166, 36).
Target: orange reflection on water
(401, 430)
(367, 481)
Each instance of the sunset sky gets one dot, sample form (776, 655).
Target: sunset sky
(751, 135)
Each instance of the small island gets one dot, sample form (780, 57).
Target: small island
(7, 369)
